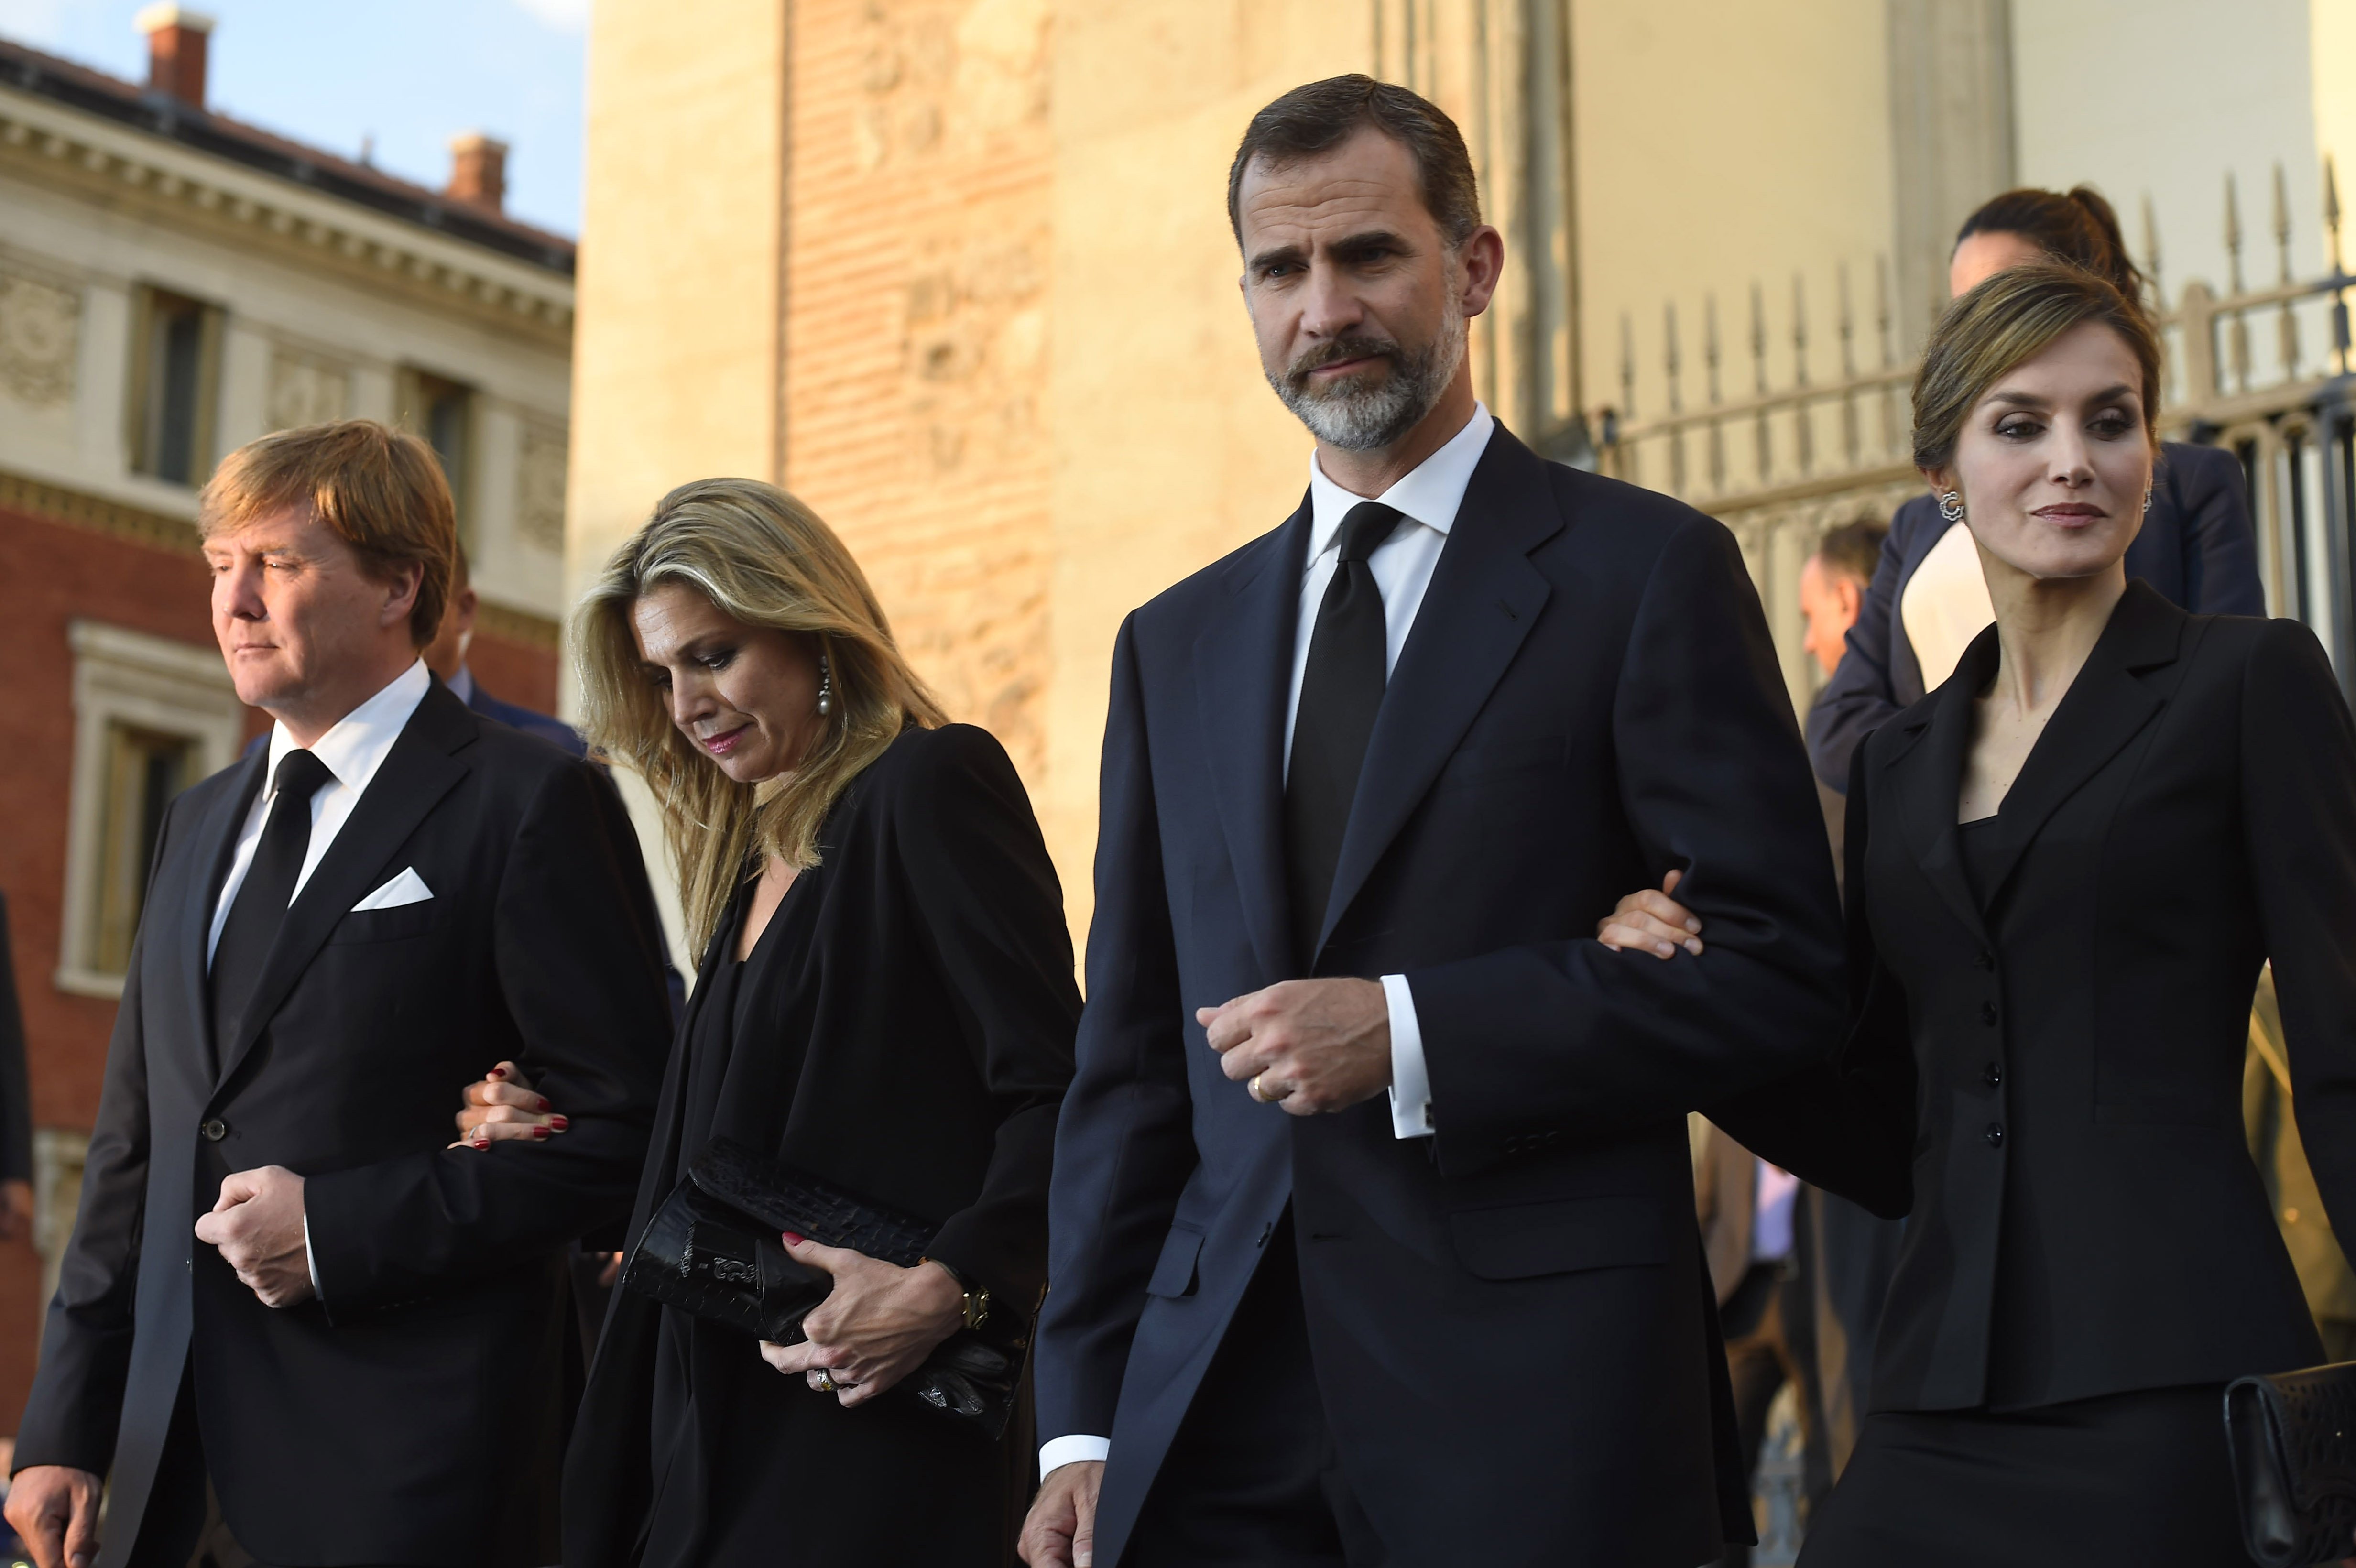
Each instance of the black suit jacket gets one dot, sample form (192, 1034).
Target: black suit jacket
(2051, 1079)
(916, 1053)
(403, 1416)
(1512, 1323)
(2196, 547)
(16, 1094)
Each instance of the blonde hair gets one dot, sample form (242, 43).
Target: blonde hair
(380, 490)
(762, 558)
(2005, 321)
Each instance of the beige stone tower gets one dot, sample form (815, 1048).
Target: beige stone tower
(958, 273)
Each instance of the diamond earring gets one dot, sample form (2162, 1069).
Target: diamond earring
(825, 686)
(1950, 505)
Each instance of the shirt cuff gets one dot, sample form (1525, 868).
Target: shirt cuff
(1411, 1078)
(1065, 1451)
(311, 1260)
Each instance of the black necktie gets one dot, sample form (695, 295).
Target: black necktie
(260, 908)
(1341, 692)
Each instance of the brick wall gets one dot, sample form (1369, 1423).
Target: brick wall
(918, 251)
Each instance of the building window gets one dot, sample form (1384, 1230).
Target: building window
(443, 411)
(175, 381)
(151, 718)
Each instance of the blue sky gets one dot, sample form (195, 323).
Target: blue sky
(330, 72)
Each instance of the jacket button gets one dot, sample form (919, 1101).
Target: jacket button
(1995, 1076)
(1988, 1014)
(214, 1130)
(1996, 1135)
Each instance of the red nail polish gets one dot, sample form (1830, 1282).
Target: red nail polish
(540, 1132)
(792, 1240)
(496, 1072)
(558, 1123)
(544, 1102)
(482, 1143)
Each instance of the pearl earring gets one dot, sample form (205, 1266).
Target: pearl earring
(825, 686)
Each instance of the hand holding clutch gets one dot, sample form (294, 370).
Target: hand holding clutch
(875, 1326)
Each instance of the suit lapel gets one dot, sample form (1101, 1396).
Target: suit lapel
(1926, 774)
(2105, 707)
(416, 774)
(214, 842)
(1484, 599)
(1243, 674)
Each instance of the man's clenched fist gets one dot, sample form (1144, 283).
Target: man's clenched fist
(258, 1226)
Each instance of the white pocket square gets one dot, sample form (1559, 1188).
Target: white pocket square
(408, 888)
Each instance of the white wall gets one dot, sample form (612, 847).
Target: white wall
(2164, 98)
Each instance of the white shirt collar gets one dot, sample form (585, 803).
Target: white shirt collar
(1430, 493)
(357, 745)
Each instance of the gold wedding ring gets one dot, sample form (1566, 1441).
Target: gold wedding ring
(1254, 1087)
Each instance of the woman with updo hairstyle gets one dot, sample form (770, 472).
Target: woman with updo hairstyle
(885, 1002)
(2066, 867)
(1927, 600)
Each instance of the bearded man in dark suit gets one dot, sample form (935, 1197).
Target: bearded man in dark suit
(278, 1320)
(1372, 1218)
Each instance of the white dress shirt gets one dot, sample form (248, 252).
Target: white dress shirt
(353, 749)
(1402, 564)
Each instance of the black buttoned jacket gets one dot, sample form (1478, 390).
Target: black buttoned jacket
(1512, 1320)
(410, 1415)
(2049, 1077)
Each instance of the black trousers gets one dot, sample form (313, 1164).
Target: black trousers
(1252, 1476)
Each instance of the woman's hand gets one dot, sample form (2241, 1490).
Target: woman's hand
(1651, 922)
(502, 1105)
(874, 1329)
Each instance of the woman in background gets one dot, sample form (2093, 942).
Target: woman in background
(1927, 602)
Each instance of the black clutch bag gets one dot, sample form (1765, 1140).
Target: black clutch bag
(2293, 1439)
(713, 1250)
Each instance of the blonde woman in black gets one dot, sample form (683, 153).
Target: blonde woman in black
(2066, 867)
(886, 1000)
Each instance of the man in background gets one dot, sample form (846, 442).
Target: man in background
(1832, 586)
(1844, 1254)
(445, 656)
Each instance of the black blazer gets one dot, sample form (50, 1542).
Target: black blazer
(2051, 1081)
(918, 1059)
(2196, 547)
(16, 1094)
(1589, 698)
(366, 1426)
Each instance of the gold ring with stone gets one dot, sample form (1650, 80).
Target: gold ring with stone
(825, 1380)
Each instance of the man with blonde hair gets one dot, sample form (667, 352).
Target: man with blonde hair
(294, 1325)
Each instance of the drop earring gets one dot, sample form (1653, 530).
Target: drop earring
(825, 686)
(1950, 505)
(2146, 502)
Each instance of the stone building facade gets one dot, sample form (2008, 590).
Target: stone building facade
(174, 283)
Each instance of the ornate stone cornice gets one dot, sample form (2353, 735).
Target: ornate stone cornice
(53, 144)
(56, 504)
(49, 503)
